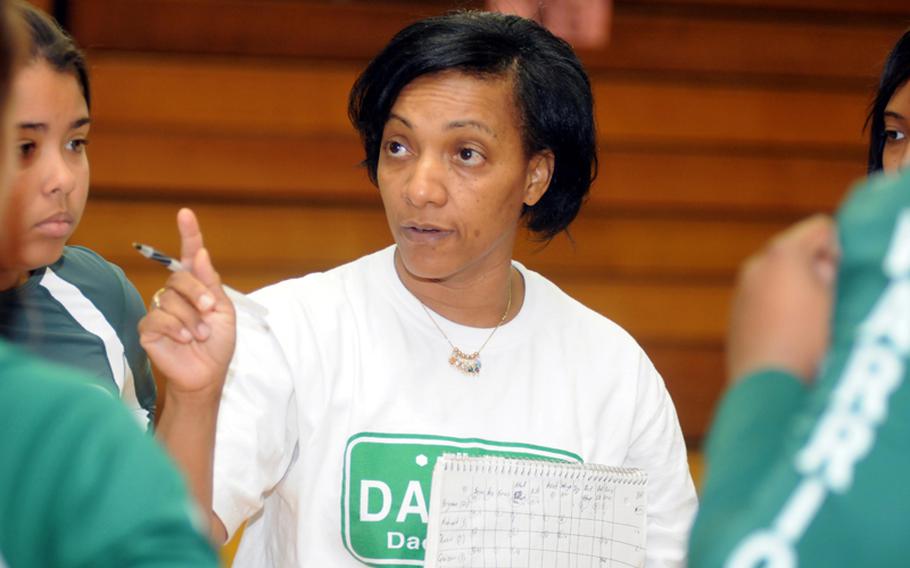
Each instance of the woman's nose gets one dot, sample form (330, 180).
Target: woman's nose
(59, 176)
(426, 185)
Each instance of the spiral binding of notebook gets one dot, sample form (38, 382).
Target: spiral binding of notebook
(498, 511)
(543, 467)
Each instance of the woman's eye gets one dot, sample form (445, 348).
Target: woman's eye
(27, 150)
(396, 148)
(470, 156)
(77, 145)
(894, 135)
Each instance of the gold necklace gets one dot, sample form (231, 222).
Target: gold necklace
(470, 364)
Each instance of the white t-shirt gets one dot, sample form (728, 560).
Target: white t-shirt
(330, 424)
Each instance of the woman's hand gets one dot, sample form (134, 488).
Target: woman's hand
(782, 307)
(189, 332)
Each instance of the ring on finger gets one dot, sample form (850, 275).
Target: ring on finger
(156, 298)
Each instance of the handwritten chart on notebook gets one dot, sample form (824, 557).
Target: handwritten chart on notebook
(513, 513)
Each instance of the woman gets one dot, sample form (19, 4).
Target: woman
(808, 449)
(472, 123)
(65, 303)
(889, 149)
(79, 484)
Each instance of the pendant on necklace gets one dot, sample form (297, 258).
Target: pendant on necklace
(467, 364)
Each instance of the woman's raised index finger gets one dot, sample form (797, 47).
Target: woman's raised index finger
(190, 237)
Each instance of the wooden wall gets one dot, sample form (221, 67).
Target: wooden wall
(720, 122)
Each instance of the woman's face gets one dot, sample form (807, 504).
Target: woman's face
(453, 175)
(896, 154)
(50, 186)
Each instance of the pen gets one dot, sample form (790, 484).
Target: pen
(240, 299)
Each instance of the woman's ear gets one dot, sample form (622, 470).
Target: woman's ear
(540, 172)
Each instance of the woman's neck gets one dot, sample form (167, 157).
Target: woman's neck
(10, 279)
(476, 301)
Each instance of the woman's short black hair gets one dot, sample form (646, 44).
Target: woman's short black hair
(50, 43)
(552, 92)
(896, 72)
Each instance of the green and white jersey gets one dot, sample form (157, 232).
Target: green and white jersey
(80, 486)
(83, 312)
(816, 475)
(330, 424)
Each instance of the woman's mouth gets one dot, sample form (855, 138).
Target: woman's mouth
(420, 233)
(56, 226)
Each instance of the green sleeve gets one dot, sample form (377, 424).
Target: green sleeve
(747, 444)
(82, 486)
(752, 422)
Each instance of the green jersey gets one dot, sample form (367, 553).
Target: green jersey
(83, 312)
(80, 485)
(815, 475)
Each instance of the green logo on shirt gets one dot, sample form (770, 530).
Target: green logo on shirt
(385, 492)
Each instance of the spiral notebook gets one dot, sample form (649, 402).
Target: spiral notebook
(494, 511)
